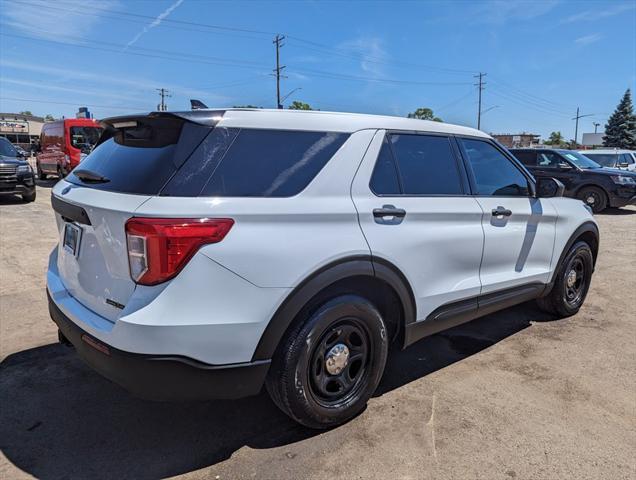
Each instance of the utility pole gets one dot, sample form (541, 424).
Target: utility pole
(278, 41)
(480, 85)
(596, 125)
(576, 128)
(163, 93)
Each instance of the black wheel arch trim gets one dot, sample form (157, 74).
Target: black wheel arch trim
(358, 265)
(587, 227)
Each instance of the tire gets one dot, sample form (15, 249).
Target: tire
(330, 363)
(29, 197)
(594, 197)
(60, 172)
(41, 174)
(569, 290)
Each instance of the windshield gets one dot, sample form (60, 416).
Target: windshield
(6, 149)
(580, 160)
(84, 138)
(605, 159)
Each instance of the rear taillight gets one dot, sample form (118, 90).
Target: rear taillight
(158, 248)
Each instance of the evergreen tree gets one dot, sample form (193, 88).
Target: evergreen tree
(620, 131)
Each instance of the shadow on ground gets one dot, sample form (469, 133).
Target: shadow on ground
(61, 420)
(617, 211)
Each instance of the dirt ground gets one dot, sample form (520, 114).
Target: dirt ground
(515, 395)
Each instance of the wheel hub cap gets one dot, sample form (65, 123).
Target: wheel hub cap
(337, 359)
(571, 279)
(591, 200)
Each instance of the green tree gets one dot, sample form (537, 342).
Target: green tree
(555, 139)
(296, 105)
(424, 114)
(26, 112)
(620, 131)
(49, 118)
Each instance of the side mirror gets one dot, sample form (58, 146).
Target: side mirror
(565, 166)
(623, 165)
(548, 187)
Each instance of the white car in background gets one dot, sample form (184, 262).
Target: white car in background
(613, 158)
(205, 254)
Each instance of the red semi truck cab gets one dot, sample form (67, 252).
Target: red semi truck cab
(64, 143)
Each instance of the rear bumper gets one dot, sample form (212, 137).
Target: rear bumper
(161, 377)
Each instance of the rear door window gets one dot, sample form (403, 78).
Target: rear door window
(271, 163)
(529, 159)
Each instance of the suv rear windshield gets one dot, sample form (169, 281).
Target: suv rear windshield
(183, 159)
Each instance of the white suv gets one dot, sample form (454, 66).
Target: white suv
(205, 254)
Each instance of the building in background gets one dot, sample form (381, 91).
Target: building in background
(22, 130)
(518, 140)
(591, 140)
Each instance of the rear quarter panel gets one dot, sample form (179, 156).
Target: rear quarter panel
(278, 242)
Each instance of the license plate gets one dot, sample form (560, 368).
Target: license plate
(72, 237)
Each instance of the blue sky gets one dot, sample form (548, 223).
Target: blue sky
(542, 58)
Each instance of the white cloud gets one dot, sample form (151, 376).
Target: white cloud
(504, 11)
(155, 23)
(588, 39)
(589, 15)
(36, 20)
(371, 52)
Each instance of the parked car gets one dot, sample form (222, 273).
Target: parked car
(583, 178)
(204, 254)
(63, 145)
(623, 159)
(16, 175)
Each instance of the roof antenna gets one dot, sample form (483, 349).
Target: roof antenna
(197, 104)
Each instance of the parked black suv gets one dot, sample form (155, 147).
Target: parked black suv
(583, 178)
(16, 175)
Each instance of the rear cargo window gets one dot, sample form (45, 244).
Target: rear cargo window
(142, 159)
(272, 163)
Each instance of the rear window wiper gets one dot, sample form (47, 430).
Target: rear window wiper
(90, 177)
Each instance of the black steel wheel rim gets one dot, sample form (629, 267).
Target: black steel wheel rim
(575, 281)
(592, 198)
(327, 384)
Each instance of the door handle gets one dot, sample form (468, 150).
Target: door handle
(501, 212)
(389, 211)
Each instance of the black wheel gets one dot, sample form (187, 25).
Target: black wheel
(571, 282)
(29, 197)
(594, 197)
(60, 172)
(330, 364)
(41, 174)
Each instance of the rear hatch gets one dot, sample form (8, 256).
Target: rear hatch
(133, 160)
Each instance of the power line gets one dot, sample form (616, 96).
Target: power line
(184, 57)
(325, 48)
(73, 104)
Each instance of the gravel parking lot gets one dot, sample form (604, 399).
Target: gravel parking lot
(512, 395)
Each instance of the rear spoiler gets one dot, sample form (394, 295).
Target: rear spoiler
(204, 117)
(166, 126)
